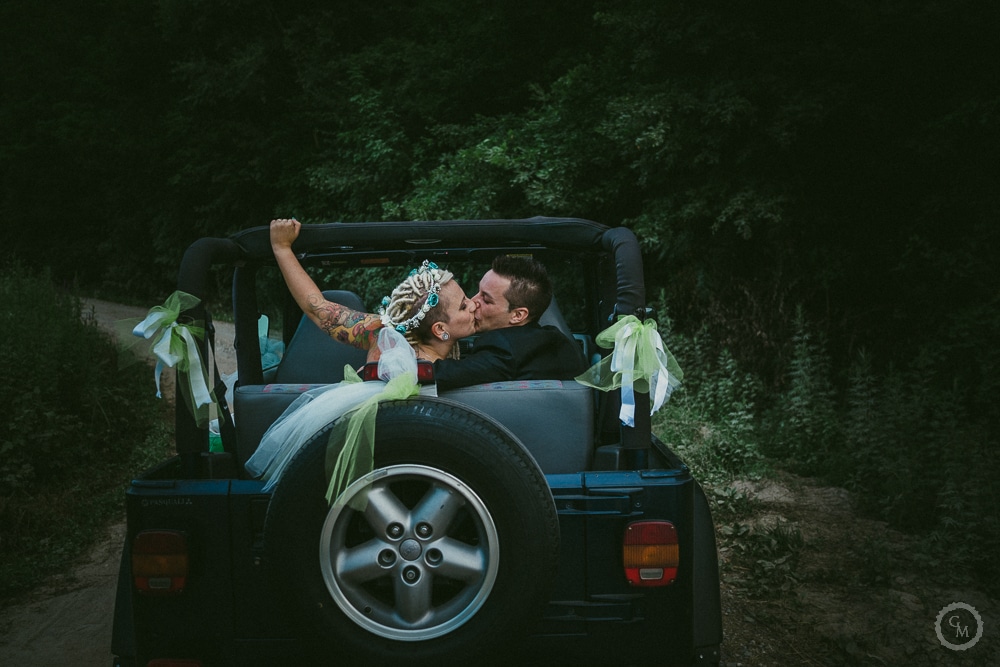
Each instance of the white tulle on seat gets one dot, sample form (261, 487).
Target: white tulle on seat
(316, 408)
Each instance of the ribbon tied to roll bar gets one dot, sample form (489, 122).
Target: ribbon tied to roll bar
(639, 362)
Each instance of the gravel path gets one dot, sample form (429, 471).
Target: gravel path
(106, 314)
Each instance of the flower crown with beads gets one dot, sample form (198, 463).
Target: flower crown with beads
(432, 300)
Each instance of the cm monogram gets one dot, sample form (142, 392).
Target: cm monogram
(953, 624)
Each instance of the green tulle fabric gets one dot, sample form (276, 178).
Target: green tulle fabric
(639, 362)
(350, 451)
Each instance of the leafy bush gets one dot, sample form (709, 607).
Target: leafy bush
(766, 558)
(710, 420)
(904, 440)
(73, 426)
(802, 426)
(900, 437)
(921, 461)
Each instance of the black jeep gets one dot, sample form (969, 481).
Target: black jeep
(512, 521)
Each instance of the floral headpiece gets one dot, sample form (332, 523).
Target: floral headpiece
(432, 300)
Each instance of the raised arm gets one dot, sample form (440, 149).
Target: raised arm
(341, 323)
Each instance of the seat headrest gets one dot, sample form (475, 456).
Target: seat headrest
(553, 317)
(312, 357)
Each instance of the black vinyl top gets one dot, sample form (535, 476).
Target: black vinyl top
(565, 233)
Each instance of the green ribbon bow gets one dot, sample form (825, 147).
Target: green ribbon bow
(176, 346)
(639, 362)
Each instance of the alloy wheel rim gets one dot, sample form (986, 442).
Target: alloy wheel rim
(418, 561)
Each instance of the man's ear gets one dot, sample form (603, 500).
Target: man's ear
(518, 316)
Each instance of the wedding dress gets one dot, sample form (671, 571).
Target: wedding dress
(314, 409)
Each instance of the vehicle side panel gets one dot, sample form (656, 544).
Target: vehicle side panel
(198, 621)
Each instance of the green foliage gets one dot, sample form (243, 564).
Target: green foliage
(875, 562)
(766, 558)
(710, 420)
(904, 441)
(803, 425)
(900, 438)
(923, 463)
(838, 157)
(73, 423)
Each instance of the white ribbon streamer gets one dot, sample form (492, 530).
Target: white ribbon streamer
(176, 346)
(623, 361)
(639, 356)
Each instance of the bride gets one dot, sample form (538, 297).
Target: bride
(423, 318)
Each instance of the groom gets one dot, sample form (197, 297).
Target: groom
(512, 345)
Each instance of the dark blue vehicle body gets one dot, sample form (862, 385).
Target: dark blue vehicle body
(234, 607)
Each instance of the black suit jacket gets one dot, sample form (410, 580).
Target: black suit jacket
(528, 352)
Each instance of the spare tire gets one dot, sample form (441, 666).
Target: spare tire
(454, 554)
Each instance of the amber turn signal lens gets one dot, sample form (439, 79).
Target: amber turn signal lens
(160, 562)
(650, 553)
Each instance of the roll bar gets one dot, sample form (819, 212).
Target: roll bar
(200, 256)
(620, 242)
(623, 245)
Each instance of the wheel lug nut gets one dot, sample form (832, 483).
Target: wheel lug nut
(395, 530)
(424, 530)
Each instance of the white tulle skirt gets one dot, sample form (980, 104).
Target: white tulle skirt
(316, 408)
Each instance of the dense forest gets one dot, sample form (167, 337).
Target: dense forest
(815, 184)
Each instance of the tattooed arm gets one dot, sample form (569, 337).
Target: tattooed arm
(346, 325)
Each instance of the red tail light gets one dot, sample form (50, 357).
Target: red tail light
(160, 562)
(650, 553)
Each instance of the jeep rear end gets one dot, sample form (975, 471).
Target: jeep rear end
(634, 571)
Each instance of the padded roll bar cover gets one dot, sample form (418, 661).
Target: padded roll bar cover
(631, 300)
(192, 278)
(624, 247)
(199, 258)
(570, 233)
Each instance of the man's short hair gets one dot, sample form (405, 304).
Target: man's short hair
(530, 286)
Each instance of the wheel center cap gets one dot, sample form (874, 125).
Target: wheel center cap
(410, 549)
